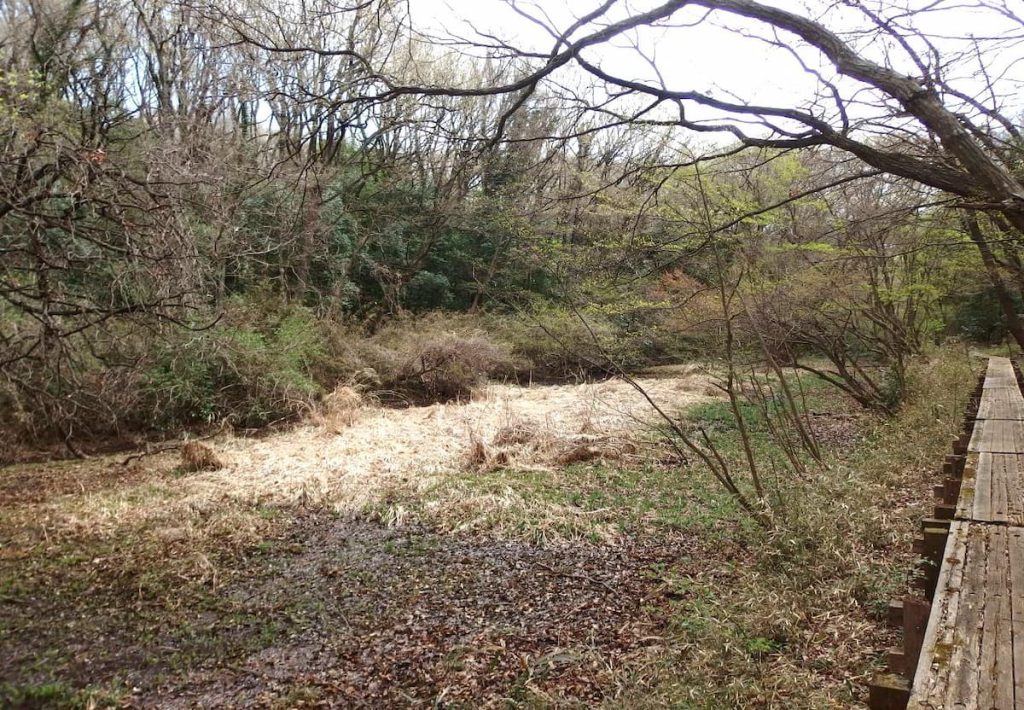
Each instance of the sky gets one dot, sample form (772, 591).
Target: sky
(717, 59)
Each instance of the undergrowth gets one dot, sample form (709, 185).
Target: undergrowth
(789, 617)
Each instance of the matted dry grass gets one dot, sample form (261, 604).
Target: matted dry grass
(348, 467)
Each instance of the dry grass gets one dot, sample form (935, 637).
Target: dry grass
(745, 619)
(377, 450)
(339, 410)
(199, 457)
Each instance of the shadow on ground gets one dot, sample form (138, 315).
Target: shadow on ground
(342, 613)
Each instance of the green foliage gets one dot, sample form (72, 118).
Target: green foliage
(979, 317)
(257, 368)
(428, 291)
(560, 343)
(56, 695)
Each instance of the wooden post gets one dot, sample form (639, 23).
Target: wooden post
(934, 523)
(934, 547)
(951, 492)
(889, 692)
(915, 621)
(896, 661)
(895, 616)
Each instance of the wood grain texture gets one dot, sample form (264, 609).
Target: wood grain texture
(973, 652)
(1001, 403)
(1000, 373)
(999, 436)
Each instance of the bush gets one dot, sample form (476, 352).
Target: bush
(450, 367)
(979, 317)
(556, 344)
(255, 368)
(422, 360)
(268, 360)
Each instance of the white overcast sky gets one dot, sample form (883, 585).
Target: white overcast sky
(709, 58)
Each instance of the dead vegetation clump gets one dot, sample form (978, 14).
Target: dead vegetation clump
(478, 455)
(525, 443)
(595, 448)
(199, 457)
(517, 433)
(484, 458)
(516, 441)
(340, 409)
(449, 368)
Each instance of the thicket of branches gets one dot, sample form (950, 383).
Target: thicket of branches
(212, 211)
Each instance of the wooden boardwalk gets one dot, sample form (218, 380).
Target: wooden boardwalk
(971, 655)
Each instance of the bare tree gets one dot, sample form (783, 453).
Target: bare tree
(911, 103)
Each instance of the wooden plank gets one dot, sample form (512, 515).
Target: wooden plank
(931, 677)
(972, 657)
(968, 489)
(1000, 373)
(1010, 469)
(992, 489)
(1016, 560)
(1002, 675)
(999, 491)
(995, 381)
(995, 677)
(965, 670)
(1001, 403)
(983, 489)
(1015, 477)
(999, 436)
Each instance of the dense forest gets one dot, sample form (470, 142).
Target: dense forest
(203, 221)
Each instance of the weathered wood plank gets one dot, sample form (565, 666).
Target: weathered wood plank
(968, 488)
(1000, 373)
(983, 493)
(1015, 515)
(1001, 403)
(1002, 674)
(964, 667)
(931, 678)
(999, 490)
(973, 652)
(995, 672)
(1016, 560)
(992, 489)
(998, 436)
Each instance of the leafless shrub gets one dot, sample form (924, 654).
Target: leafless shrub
(478, 454)
(441, 368)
